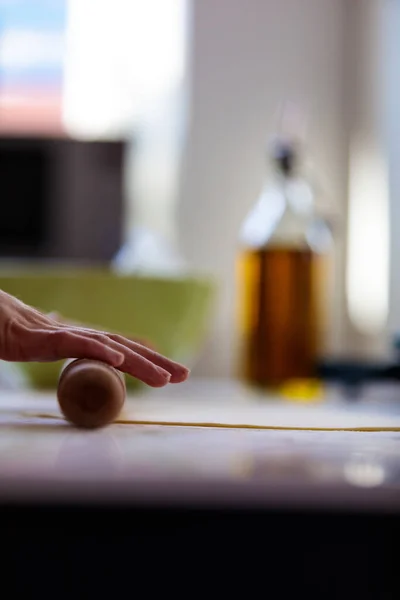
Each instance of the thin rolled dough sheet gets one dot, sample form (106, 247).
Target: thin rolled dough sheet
(252, 415)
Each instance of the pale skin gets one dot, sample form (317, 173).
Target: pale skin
(28, 335)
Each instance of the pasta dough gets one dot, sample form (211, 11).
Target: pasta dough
(266, 416)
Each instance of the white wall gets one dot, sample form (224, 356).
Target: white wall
(248, 56)
(367, 280)
(392, 80)
(372, 97)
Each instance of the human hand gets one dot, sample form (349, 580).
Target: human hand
(56, 316)
(27, 335)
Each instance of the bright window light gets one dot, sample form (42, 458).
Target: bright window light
(121, 56)
(368, 239)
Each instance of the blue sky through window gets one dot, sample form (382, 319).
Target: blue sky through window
(31, 39)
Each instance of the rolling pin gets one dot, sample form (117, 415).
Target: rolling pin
(90, 393)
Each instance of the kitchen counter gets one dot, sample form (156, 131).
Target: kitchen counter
(180, 509)
(43, 457)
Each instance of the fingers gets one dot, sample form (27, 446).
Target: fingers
(134, 363)
(66, 343)
(145, 370)
(130, 357)
(177, 371)
(55, 319)
(29, 335)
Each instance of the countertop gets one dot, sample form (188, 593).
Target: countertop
(43, 457)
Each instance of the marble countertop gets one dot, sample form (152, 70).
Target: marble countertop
(41, 456)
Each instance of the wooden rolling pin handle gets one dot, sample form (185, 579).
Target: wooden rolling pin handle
(90, 393)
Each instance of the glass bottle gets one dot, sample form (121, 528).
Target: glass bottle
(281, 272)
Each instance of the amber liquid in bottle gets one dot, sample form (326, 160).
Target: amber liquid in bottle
(279, 316)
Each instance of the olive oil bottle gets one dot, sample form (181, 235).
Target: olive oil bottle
(281, 273)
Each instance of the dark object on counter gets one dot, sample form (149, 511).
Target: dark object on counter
(354, 375)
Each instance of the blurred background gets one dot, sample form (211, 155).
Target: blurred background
(133, 139)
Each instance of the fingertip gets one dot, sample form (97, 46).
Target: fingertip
(166, 376)
(163, 378)
(160, 380)
(178, 380)
(180, 374)
(117, 358)
(180, 377)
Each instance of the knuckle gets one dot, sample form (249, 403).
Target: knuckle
(99, 337)
(118, 338)
(13, 340)
(11, 328)
(56, 339)
(105, 340)
(57, 335)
